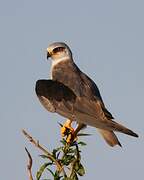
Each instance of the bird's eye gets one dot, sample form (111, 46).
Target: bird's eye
(58, 49)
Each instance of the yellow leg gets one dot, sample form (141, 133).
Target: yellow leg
(73, 135)
(67, 129)
(79, 127)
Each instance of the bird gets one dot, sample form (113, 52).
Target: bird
(75, 96)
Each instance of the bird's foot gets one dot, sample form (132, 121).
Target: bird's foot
(71, 137)
(74, 135)
(67, 128)
(68, 131)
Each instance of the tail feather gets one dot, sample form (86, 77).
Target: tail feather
(101, 122)
(110, 137)
(120, 128)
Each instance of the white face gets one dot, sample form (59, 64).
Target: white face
(59, 51)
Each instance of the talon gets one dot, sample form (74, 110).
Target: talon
(71, 137)
(69, 132)
(67, 129)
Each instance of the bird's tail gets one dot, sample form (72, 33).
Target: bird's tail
(110, 137)
(120, 128)
(101, 122)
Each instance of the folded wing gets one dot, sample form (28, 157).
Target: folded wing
(55, 97)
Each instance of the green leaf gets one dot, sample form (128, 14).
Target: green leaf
(79, 169)
(50, 172)
(57, 176)
(83, 134)
(82, 143)
(63, 141)
(73, 143)
(60, 124)
(71, 151)
(67, 178)
(67, 159)
(54, 153)
(44, 156)
(73, 176)
(41, 170)
(58, 154)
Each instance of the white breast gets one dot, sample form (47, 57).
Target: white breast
(56, 62)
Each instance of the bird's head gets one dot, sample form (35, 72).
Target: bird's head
(59, 51)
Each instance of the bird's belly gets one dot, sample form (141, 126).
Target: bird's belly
(88, 120)
(66, 114)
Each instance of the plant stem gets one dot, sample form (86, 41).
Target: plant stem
(49, 155)
(29, 166)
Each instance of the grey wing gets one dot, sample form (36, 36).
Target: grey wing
(55, 97)
(93, 92)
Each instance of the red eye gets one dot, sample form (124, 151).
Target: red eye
(58, 49)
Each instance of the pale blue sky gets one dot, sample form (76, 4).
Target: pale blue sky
(107, 40)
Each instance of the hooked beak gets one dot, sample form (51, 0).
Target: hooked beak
(48, 55)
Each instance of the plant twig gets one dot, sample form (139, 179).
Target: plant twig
(49, 155)
(29, 166)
